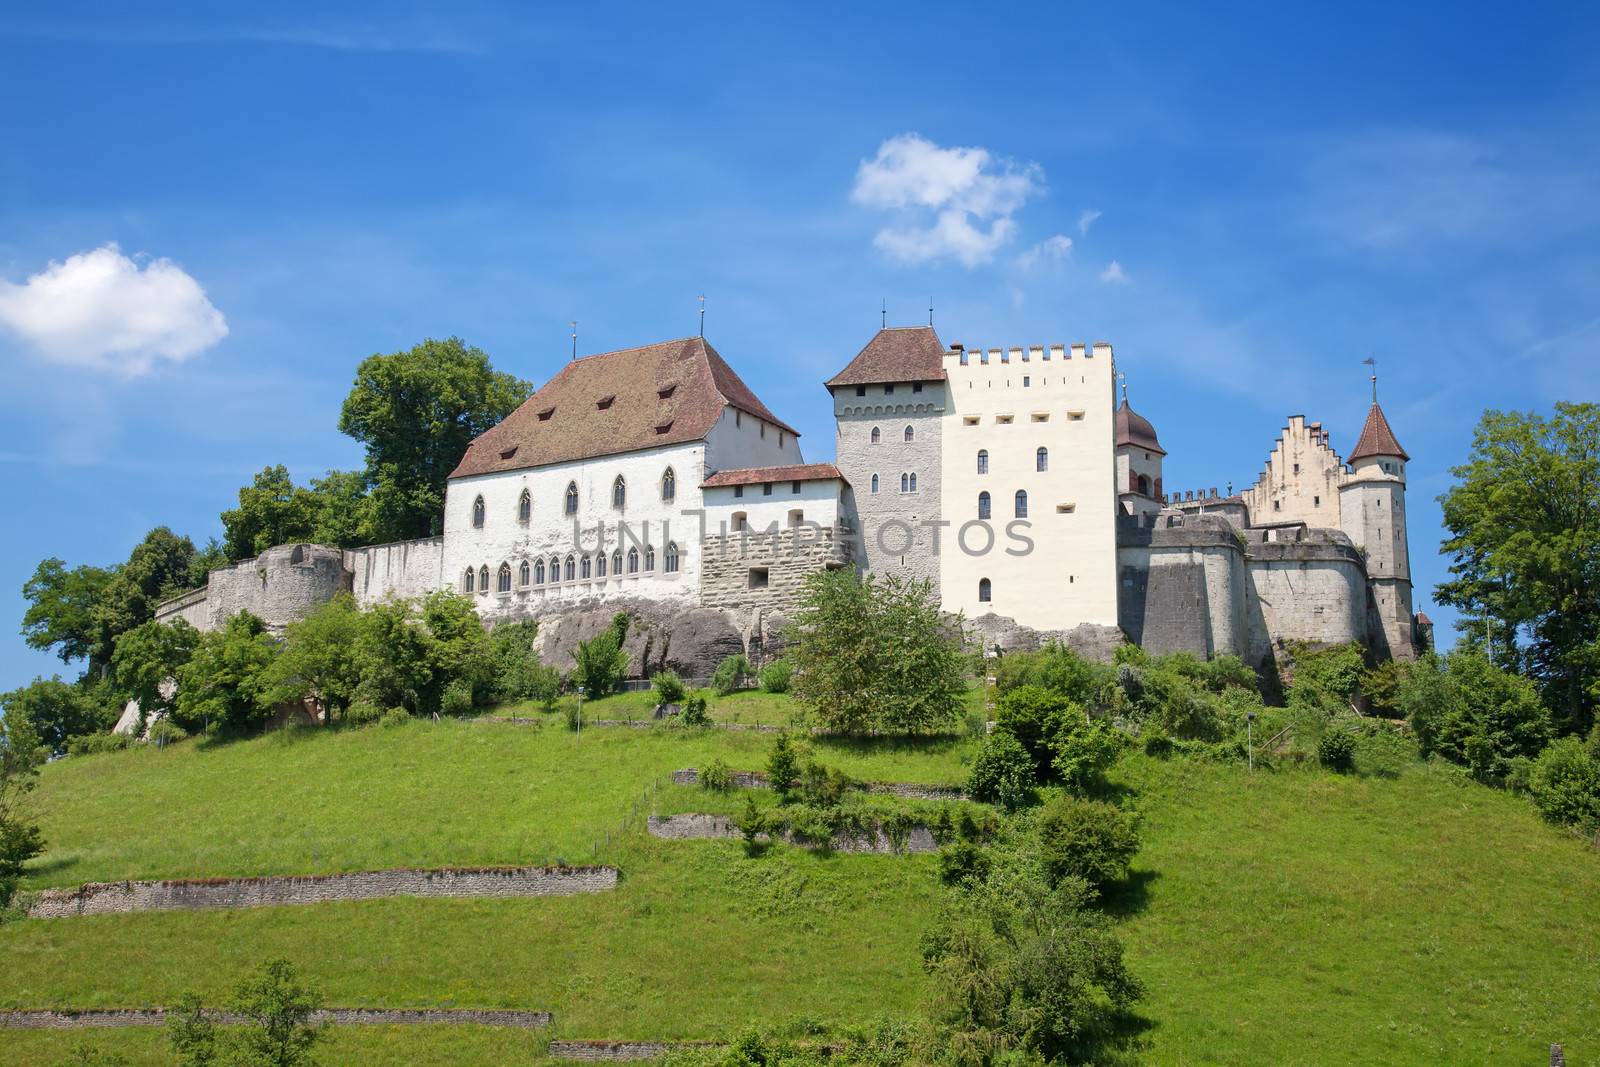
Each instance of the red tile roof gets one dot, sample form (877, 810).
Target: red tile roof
(1133, 428)
(803, 472)
(1376, 438)
(896, 354)
(661, 394)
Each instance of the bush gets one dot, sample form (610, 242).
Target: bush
(1002, 772)
(91, 744)
(694, 711)
(824, 787)
(751, 824)
(1086, 839)
(164, 732)
(783, 765)
(963, 863)
(1336, 749)
(731, 675)
(1034, 715)
(572, 712)
(601, 662)
(363, 713)
(1083, 749)
(775, 676)
(395, 717)
(1472, 712)
(1383, 753)
(716, 776)
(1055, 668)
(456, 698)
(1155, 742)
(669, 688)
(1565, 784)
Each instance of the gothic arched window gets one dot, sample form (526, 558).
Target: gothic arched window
(874, 483)
(483, 578)
(670, 558)
(600, 565)
(467, 581)
(649, 557)
(619, 493)
(585, 567)
(983, 461)
(616, 563)
(983, 505)
(572, 568)
(572, 498)
(538, 572)
(876, 435)
(477, 513)
(1022, 503)
(524, 506)
(911, 434)
(905, 482)
(503, 579)
(1041, 459)
(523, 573)
(669, 485)
(633, 561)
(913, 481)
(555, 569)
(985, 591)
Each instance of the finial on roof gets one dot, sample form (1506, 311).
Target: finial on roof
(884, 322)
(574, 338)
(702, 314)
(930, 311)
(1370, 362)
(1123, 378)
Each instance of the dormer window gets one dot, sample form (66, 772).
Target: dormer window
(666, 393)
(509, 452)
(665, 427)
(605, 402)
(544, 416)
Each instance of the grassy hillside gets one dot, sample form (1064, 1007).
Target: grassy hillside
(1292, 917)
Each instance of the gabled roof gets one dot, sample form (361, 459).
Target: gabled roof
(1133, 428)
(1376, 438)
(803, 472)
(661, 394)
(896, 354)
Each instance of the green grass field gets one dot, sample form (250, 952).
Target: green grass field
(1293, 917)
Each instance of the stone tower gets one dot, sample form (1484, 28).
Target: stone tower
(888, 404)
(1139, 456)
(1372, 511)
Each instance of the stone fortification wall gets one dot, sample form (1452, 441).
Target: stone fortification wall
(404, 570)
(115, 1017)
(618, 1051)
(1305, 585)
(1182, 585)
(757, 780)
(1093, 641)
(280, 586)
(190, 607)
(102, 898)
(699, 826)
(767, 571)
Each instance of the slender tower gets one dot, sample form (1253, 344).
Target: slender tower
(1372, 510)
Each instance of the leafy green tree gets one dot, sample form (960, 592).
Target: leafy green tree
(1565, 784)
(278, 1008)
(57, 711)
(601, 662)
(416, 411)
(518, 673)
(1003, 772)
(191, 1033)
(226, 682)
(63, 612)
(1472, 712)
(320, 658)
(459, 649)
(272, 511)
(783, 765)
(343, 514)
(147, 658)
(1524, 537)
(394, 654)
(1083, 748)
(157, 568)
(21, 752)
(212, 557)
(875, 655)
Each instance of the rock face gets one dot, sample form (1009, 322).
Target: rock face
(661, 636)
(1089, 640)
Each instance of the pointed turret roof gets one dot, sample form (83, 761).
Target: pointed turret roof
(1376, 438)
(1134, 429)
(896, 354)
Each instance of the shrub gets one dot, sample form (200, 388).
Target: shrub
(1336, 749)
(572, 712)
(1383, 753)
(1086, 839)
(601, 662)
(716, 776)
(824, 787)
(731, 675)
(456, 698)
(751, 824)
(91, 744)
(1083, 749)
(1155, 742)
(60, 711)
(1034, 715)
(1002, 772)
(669, 688)
(1055, 668)
(963, 863)
(363, 713)
(395, 717)
(775, 676)
(694, 711)
(1565, 784)
(783, 765)
(1472, 712)
(164, 732)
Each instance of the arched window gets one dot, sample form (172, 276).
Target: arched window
(1041, 459)
(600, 565)
(983, 505)
(572, 498)
(913, 481)
(524, 506)
(670, 558)
(1143, 485)
(477, 513)
(619, 493)
(503, 579)
(649, 557)
(538, 572)
(874, 483)
(483, 578)
(1022, 503)
(911, 434)
(985, 591)
(876, 435)
(669, 485)
(616, 563)
(633, 561)
(572, 568)
(555, 569)
(585, 566)
(468, 580)
(983, 461)
(523, 573)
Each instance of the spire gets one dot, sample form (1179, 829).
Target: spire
(1377, 439)
(1373, 363)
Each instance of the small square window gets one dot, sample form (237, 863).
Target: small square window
(766, 488)
(738, 491)
(916, 387)
(758, 577)
(861, 390)
(794, 487)
(887, 390)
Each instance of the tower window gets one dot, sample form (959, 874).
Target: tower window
(874, 483)
(861, 390)
(910, 434)
(916, 387)
(983, 505)
(1022, 503)
(876, 435)
(985, 591)
(983, 461)
(1041, 459)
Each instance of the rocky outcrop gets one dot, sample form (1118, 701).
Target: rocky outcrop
(1001, 634)
(661, 635)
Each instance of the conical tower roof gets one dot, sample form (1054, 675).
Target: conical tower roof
(1377, 439)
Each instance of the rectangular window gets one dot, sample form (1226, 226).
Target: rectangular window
(1026, 381)
(916, 387)
(766, 488)
(861, 390)
(794, 487)
(738, 491)
(969, 420)
(758, 577)
(1003, 420)
(1316, 501)
(887, 390)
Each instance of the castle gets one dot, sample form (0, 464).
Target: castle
(1009, 479)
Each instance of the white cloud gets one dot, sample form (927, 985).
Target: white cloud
(954, 203)
(1113, 273)
(1051, 250)
(1086, 219)
(99, 309)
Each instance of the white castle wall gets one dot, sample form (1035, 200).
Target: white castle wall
(1301, 480)
(741, 440)
(1010, 402)
(404, 570)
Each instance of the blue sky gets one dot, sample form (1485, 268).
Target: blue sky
(1283, 192)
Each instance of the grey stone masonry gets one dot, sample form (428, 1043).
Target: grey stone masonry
(108, 1018)
(106, 898)
(757, 780)
(615, 1051)
(767, 570)
(698, 826)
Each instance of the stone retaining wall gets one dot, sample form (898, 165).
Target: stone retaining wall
(698, 826)
(101, 898)
(757, 780)
(613, 1051)
(79, 1020)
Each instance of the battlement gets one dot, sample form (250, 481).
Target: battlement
(976, 355)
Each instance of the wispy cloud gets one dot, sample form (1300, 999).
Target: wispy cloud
(949, 203)
(99, 309)
(1114, 274)
(1087, 218)
(1050, 250)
